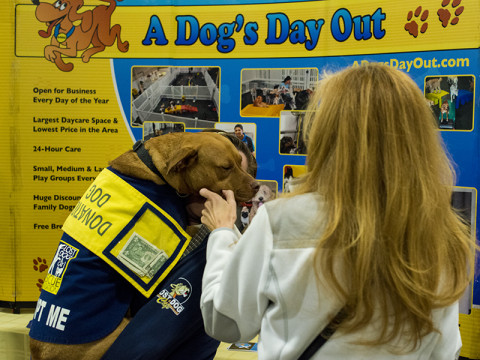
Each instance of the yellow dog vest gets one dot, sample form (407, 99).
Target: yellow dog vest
(128, 231)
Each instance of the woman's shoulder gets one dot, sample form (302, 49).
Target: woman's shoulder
(303, 202)
(299, 216)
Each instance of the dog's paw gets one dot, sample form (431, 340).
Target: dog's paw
(40, 264)
(444, 14)
(85, 58)
(39, 284)
(412, 25)
(50, 53)
(123, 47)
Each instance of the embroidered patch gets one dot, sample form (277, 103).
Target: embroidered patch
(54, 278)
(176, 297)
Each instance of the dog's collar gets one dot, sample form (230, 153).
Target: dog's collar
(63, 38)
(144, 155)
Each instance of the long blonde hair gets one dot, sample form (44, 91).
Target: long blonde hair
(375, 155)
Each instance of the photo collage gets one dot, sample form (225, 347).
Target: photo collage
(187, 99)
(167, 99)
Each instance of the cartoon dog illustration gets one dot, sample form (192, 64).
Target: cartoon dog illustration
(68, 39)
(179, 289)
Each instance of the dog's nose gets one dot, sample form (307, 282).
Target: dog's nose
(261, 198)
(36, 2)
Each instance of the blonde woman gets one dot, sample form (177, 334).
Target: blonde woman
(370, 231)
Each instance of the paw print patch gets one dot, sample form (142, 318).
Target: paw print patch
(39, 284)
(445, 14)
(414, 18)
(40, 264)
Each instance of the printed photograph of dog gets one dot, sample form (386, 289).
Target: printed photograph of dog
(290, 175)
(267, 191)
(451, 98)
(291, 133)
(190, 95)
(266, 92)
(92, 35)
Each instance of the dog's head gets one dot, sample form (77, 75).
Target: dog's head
(445, 106)
(263, 194)
(302, 99)
(192, 161)
(245, 216)
(53, 14)
(452, 80)
(286, 144)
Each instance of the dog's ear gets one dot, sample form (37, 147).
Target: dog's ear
(86, 17)
(87, 21)
(182, 159)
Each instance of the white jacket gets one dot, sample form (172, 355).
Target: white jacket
(266, 284)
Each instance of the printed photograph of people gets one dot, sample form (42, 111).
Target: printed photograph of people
(291, 135)
(154, 129)
(244, 131)
(176, 94)
(451, 99)
(266, 92)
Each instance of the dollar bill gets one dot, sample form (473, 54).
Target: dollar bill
(142, 257)
(156, 265)
(132, 267)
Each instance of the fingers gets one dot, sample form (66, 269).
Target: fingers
(207, 194)
(218, 212)
(207, 221)
(229, 196)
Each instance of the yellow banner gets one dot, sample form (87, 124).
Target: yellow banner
(59, 148)
(300, 29)
(7, 184)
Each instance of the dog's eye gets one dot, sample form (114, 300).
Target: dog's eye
(227, 168)
(64, 5)
(57, 4)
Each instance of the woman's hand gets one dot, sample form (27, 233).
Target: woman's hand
(219, 212)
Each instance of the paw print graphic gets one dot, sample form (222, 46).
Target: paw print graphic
(39, 284)
(444, 15)
(412, 25)
(40, 264)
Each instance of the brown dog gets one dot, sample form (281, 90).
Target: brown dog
(68, 39)
(190, 162)
(187, 162)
